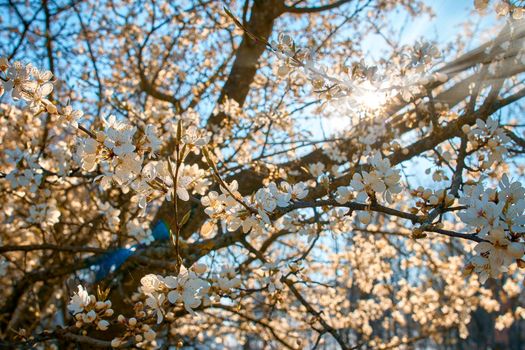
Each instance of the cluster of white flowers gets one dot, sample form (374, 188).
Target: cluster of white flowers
(271, 275)
(365, 87)
(162, 171)
(429, 199)
(44, 213)
(140, 332)
(316, 169)
(27, 83)
(140, 231)
(491, 138)
(498, 217)
(111, 214)
(121, 152)
(375, 130)
(60, 160)
(267, 199)
(272, 278)
(70, 116)
(161, 295)
(502, 8)
(382, 178)
(26, 172)
(226, 280)
(423, 53)
(291, 56)
(114, 150)
(88, 311)
(229, 207)
(189, 289)
(200, 183)
(118, 149)
(118, 137)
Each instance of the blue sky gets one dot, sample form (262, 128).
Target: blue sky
(442, 28)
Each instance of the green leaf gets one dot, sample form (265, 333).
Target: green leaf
(185, 218)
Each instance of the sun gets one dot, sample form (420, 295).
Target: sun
(371, 100)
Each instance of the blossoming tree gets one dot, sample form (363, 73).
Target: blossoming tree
(194, 175)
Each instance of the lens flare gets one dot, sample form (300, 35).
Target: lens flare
(371, 99)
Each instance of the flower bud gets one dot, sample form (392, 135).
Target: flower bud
(102, 325)
(89, 317)
(150, 335)
(433, 200)
(116, 342)
(283, 70)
